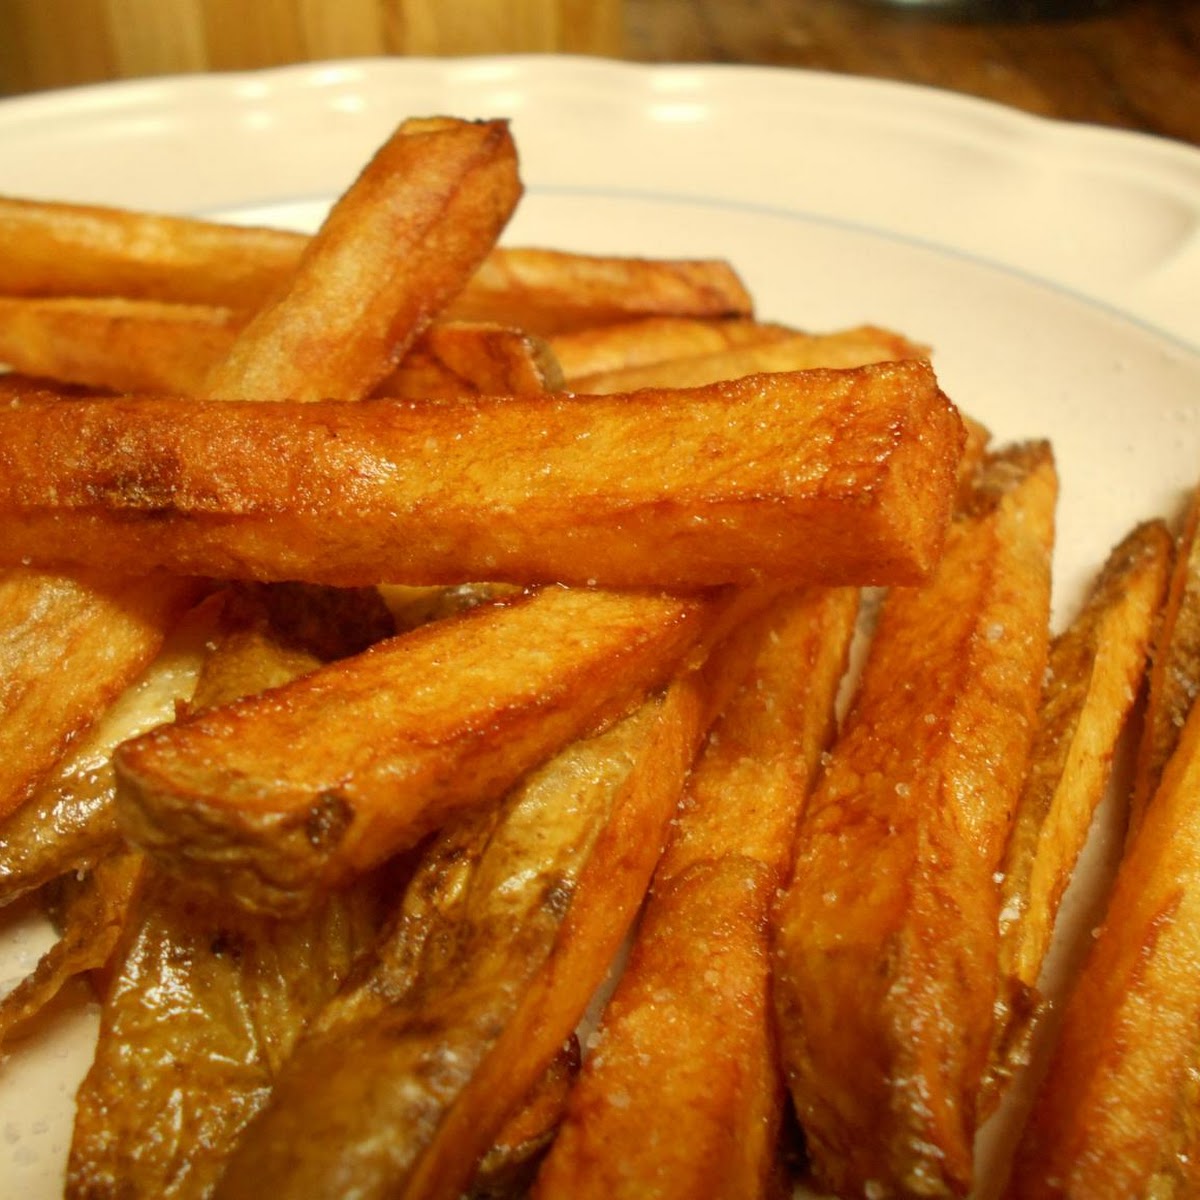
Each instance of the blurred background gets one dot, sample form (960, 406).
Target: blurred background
(1127, 63)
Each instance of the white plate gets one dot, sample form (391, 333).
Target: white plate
(1055, 269)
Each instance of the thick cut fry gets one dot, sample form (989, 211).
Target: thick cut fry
(682, 1094)
(886, 938)
(1175, 668)
(647, 340)
(815, 476)
(797, 352)
(547, 291)
(299, 789)
(149, 346)
(67, 649)
(56, 249)
(70, 820)
(1093, 678)
(508, 927)
(116, 344)
(1116, 1115)
(395, 247)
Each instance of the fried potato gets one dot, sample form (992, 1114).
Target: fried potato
(508, 926)
(646, 340)
(547, 291)
(682, 1093)
(68, 648)
(815, 476)
(1175, 668)
(887, 935)
(116, 344)
(1116, 1111)
(56, 249)
(149, 346)
(204, 1007)
(1093, 677)
(399, 243)
(796, 352)
(296, 791)
(91, 926)
(70, 821)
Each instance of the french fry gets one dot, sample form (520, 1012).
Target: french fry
(68, 648)
(1093, 677)
(682, 1094)
(647, 340)
(69, 822)
(547, 291)
(1174, 670)
(284, 795)
(815, 476)
(887, 935)
(797, 352)
(57, 249)
(90, 931)
(154, 347)
(399, 243)
(1115, 1114)
(508, 927)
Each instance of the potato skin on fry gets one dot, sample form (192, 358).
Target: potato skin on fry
(284, 795)
(814, 476)
(886, 938)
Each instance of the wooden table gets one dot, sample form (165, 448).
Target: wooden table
(1137, 66)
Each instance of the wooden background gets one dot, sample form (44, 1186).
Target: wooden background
(1133, 63)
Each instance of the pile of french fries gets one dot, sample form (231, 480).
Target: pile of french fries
(407, 640)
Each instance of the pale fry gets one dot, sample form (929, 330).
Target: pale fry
(814, 476)
(647, 340)
(284, 795)
(887, 935)
(1174, 670)
(58, 249)
(682, 1076)
(796, 352)
(399, 243)
(508, 927)
(1112, 1117)
(1093, 678)
(68, 648)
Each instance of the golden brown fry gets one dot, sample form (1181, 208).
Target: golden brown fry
(67, 648)
(1115, 1114)
(1174, 669)
(682, 1094)
(399, 243)
(508, 927)
(547, 291)
(91, 928)
(646, 340)
(887, 935)
(115, 344)
(1094, 675)
(293, 792)
(797, 352)
(150, 346)
(70, 820)
(814, 476)
(57, 249)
